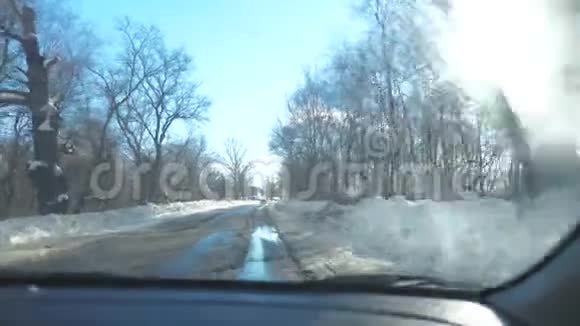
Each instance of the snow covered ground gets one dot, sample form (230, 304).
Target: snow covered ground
(480, 241)
(24, 230)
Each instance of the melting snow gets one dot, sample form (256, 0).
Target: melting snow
(485, 240)
(24, 230)
(33, 165)
(28, 235)
(267, 233)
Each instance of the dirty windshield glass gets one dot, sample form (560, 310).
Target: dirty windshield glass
(288, 141)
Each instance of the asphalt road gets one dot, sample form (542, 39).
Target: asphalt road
(234, 243)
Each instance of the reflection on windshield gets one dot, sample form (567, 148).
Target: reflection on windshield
(342, 138)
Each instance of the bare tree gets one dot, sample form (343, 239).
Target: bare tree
(119, 82)
(34, 91)
(164, 96)
(193, 154)
(380, 103)
(237, 166)
(14, 152)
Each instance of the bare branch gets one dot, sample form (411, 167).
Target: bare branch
(144, 122)
(10, 35)
(4, 55)
(55, 99)
(19, 81)
(51, 62)
(15, 8)
(133, 141)
(21, 70)
(9, 97)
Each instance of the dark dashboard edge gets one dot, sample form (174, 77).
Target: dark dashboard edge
(566, 241)
(100, 281)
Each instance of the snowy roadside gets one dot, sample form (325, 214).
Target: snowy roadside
(27, 230)
(311, 233)
(478, 241)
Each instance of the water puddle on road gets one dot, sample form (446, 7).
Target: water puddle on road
(265, 246)
(184, 264)
(255, 268)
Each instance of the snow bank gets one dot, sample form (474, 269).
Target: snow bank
(482, 241)
(25, 230)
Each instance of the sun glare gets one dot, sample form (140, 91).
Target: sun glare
(522, 47)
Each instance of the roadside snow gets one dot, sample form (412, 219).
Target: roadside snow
(481, 240)
(24, 230)
(33, 165)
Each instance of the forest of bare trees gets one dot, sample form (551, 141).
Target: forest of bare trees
(78, 113)
(380, 120)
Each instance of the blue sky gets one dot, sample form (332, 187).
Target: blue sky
(249, 54)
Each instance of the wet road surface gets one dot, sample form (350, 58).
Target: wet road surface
(234, 243)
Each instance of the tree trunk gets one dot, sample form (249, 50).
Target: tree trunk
(154, 191)
(480, 177)
(46, 176)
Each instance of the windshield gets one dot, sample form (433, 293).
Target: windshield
(288, 141)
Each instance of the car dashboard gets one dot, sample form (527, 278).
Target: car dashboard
(221, 306)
